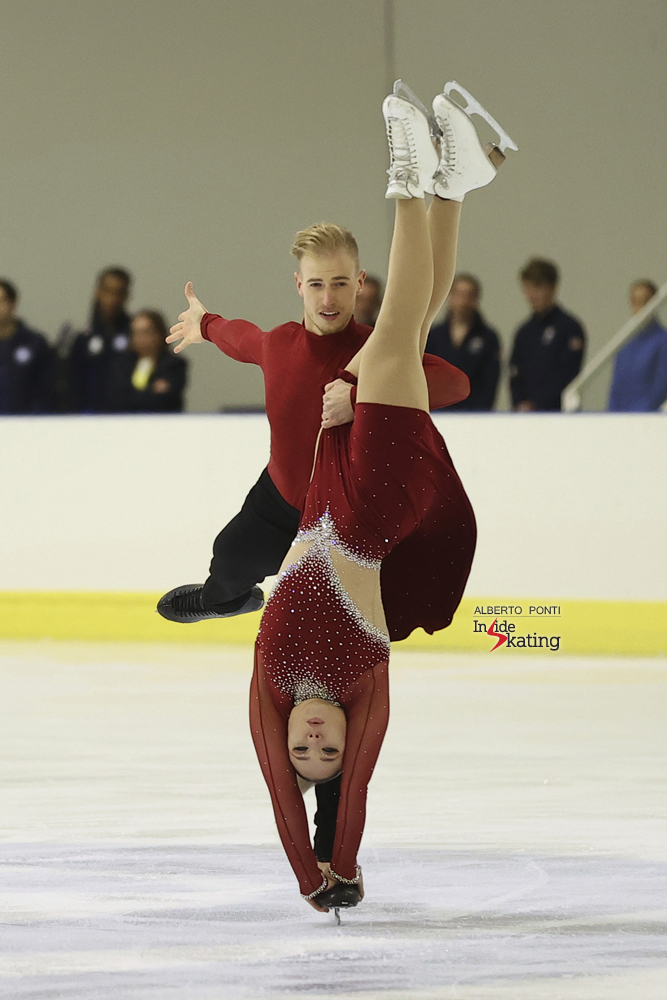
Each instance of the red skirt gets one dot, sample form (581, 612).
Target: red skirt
(391, 489)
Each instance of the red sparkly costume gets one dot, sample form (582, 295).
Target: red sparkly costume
(384, 492)
(297, 364)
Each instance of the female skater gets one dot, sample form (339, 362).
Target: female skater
(387, 535)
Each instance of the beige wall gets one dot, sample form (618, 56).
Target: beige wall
(185, 140)
(190, 140)
(580, 85)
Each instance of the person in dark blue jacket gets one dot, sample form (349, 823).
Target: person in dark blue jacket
(147, 378)
(549, 348)
(27, 372)
(639, 383)
(465, 340)
(93, 352)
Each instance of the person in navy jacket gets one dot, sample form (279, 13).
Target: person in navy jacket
(94, 351)
(27, 372)
(548, 348)
(147, 378)
(639, 384)
(465, 340)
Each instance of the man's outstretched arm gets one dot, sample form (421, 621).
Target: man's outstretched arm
(239, 339)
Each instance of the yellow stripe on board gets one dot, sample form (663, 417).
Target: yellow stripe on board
(628, 628)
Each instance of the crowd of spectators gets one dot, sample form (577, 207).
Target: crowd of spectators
(547, 349)
(121, 364)
(118, 364)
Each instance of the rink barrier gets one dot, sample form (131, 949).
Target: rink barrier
(626, 628)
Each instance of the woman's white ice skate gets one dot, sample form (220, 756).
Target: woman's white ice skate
(414, 159)
(464, 163)
(401, 89)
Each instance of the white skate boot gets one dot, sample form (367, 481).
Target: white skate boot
(414, 160)
(464, 163)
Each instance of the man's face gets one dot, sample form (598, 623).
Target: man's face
(540, 297)
(112, 295)
(329, 285)
(463, 300)
(639, 296)
(6, 307)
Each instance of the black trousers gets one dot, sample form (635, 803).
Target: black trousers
(251, 547)
(325, 818)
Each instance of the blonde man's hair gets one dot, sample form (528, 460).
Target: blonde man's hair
(325, 237)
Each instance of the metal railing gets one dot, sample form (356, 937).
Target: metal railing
(571, 395)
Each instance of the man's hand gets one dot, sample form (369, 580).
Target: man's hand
(188, 329)
(336, 405)
(526, 406)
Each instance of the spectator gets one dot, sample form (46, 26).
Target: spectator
(147, 378)
(465, 340)
(26, 361)
(640, 374)
(92, 354)
(549, 348)
(368, 301)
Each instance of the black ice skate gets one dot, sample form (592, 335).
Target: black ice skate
(340, 897)
(185, 604)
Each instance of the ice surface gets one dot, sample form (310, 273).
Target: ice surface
(516, 843)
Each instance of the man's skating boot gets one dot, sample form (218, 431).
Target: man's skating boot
(185, 604)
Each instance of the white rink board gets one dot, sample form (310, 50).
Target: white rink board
(567, 507)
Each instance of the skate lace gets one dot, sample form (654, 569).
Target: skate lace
(403, 152)
(447, 163)
(188, 603)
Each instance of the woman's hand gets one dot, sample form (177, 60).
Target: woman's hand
(324, 868)
(336, 405)
(188, 328)
(331, 882)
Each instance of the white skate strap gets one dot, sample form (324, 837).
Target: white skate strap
(473, 107)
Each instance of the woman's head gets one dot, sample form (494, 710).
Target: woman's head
(316, 739)
(149, 330)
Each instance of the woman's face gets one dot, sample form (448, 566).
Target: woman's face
(145, 340)
(316, 738)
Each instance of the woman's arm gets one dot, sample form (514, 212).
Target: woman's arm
(268, 724)
(367, 710)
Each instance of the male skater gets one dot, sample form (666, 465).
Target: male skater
(300, 362)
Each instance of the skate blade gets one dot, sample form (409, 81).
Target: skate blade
(402, 90)
(473, 107)
(337, 915)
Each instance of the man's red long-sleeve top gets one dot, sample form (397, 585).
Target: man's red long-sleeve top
(297, 364)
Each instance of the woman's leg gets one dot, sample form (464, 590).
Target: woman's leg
(443, 219)
(390, 366)
(422, 263)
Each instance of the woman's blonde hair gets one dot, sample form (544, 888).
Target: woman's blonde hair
(325, 237)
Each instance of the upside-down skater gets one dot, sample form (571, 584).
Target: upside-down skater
(384, 496)
(298, 361)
